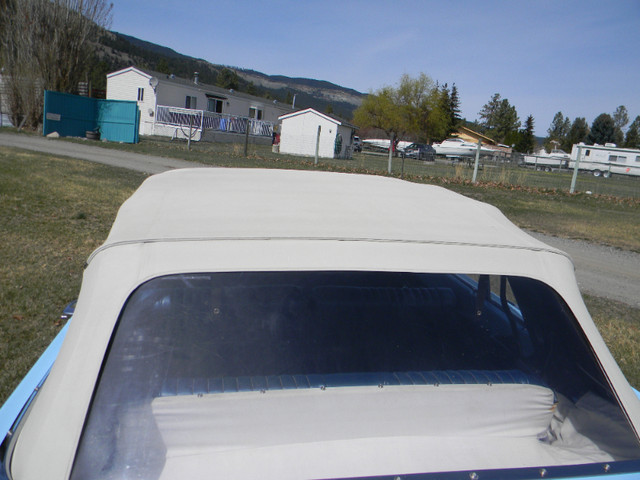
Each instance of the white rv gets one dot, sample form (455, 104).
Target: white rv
(603, 160)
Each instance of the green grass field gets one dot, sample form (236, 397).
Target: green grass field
(56, 211)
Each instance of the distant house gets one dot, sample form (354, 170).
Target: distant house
(299, 135)
(177, 107)
(472, 136)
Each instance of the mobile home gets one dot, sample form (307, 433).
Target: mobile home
(603, 160)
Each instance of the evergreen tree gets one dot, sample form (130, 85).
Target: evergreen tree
(558, 131)
(445, 105)
(602, 130)
(454, 106)
(620, 117)
(163, 66)
(488, 113)
(579, 132)
(507, 123)
(499, 119)
(228, 79)
(526, 140)
(632, 139)
(620, 120)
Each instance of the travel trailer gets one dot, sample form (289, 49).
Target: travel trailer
(603, 160)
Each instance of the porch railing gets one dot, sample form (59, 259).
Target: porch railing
(202, 120)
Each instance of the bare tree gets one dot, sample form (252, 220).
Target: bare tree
(46, 45)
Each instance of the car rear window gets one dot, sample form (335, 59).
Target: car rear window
(219, 334)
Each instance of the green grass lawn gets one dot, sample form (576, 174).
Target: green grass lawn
(56, 211)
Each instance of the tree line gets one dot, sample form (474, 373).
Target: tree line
(606, 128)
(46, 45)
(420, 109)
(417, 108)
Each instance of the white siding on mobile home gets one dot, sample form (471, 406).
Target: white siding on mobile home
(151, 89)
(133, 84)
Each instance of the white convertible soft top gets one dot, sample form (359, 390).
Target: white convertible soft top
(217, 220)
(222, 204)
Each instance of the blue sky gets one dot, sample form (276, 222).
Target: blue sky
(580, 57)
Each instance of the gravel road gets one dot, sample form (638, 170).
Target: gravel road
(602, 271)
(93, 153)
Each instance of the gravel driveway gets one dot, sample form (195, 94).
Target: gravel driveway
(602, 271)
(93, 153)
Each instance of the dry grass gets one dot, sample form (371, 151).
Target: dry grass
(54, 213)
(619, 325)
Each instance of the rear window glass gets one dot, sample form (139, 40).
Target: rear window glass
(260, 335)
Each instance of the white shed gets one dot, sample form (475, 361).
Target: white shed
(156, 91)
(299, 134)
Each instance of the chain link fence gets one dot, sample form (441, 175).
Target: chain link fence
(509, 170)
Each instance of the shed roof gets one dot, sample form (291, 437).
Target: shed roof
(310, 111)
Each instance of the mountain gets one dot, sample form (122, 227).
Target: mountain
(116, 50)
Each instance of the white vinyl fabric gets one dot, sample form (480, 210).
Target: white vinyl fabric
(292, 435)
(216, 220)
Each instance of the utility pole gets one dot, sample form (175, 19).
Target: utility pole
(575, 170)
(393, 138)
(246, 138)
(317, 144)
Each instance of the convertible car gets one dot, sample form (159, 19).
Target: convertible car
(246, 324)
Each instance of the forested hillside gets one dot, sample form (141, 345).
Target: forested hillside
(116, 51)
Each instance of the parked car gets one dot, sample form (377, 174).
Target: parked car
(357, 144)
(246, 323)
(420, 151)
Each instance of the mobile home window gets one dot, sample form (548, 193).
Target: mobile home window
(190, 102)
(587, 153)
(214, 105)
(617, 158)
(255, 113)
(140, 94)
(638, 158)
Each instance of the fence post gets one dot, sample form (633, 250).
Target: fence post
(190, 127)
(575, 170)
(475, 167)
(246, 137)
(393, 137)
(317, 144)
